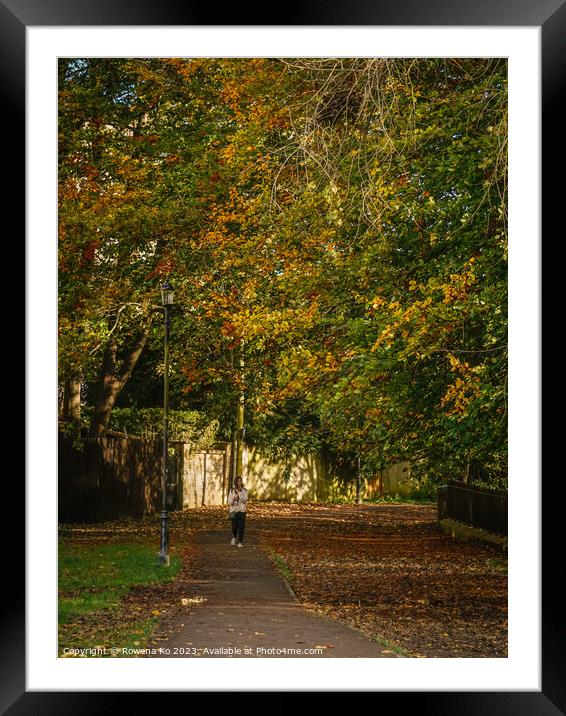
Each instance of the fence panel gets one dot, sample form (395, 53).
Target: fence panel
(108, 477)
(476, 506)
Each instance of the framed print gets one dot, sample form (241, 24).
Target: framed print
(35, 35)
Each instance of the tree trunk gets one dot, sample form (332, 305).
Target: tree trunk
(108, 391)
(71, 412)
(112, 381)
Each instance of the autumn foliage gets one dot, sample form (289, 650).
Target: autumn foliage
(337, 226)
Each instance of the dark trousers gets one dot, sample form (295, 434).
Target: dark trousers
(238, 525)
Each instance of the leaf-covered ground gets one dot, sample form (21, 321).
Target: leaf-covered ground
(387, 570)
(383, 568)
(113, 592)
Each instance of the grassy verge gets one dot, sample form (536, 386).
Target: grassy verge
(411, 498)
(391, 646)
(94, 580)
(419, 499)
(282, 566)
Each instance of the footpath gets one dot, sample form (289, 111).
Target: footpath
(240, 607)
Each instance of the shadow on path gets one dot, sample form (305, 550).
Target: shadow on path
(247, 611)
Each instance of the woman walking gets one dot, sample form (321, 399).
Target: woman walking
(237, 499)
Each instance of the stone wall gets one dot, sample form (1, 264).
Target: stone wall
(266, 480)
(204, 478)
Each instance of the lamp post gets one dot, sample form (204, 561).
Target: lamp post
(167, 301)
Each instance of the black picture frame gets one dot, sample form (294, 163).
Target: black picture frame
(550, 16)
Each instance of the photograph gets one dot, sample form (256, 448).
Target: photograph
(282, 304)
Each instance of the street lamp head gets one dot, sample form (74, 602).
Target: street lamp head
(167, 294)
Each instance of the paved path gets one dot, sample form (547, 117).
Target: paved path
(249, 612)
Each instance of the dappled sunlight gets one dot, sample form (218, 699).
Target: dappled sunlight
(385, 569)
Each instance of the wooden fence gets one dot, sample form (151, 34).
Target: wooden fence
(475, 506)
(201, 476)
(108, 478)
(117, 476)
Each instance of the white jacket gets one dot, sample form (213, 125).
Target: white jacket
(242, 496)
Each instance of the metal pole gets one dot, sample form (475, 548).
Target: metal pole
(234, 458)
(240, 421)
(204, 479)
(163, 553)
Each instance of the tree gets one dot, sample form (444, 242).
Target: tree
(124, 144)
(337, 225)
(410, 352)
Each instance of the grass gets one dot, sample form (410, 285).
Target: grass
(391, 646)
(110, 565)
(93, 580)
(413, 497)
(133, 635)
(416, 497)
(71, 607)
(497, 563)
(282, 566)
